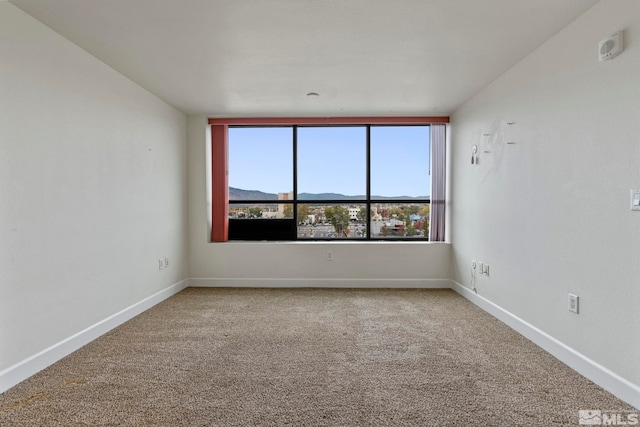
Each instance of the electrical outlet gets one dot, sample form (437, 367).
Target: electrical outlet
(160, 263)
(573, 303)
(481, 267)
(486, 269)
(473, 264)
(329, 256)
(166, 263)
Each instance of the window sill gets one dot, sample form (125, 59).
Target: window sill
(330, 242)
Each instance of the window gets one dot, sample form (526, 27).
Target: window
(329, 182)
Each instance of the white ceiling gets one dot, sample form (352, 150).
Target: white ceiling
(246, 58)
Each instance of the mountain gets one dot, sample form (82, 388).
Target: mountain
(327, 196)
(240, 194)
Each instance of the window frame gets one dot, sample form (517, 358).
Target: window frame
(220, 220)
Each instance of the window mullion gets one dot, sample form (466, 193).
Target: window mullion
(295, 176)
(368, 196)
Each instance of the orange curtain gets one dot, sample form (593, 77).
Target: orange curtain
(220, 183)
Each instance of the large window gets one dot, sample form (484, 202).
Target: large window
(350, 182)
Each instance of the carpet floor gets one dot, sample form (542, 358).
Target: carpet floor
(307, 357)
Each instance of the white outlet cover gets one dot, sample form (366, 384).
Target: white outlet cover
(574, 301)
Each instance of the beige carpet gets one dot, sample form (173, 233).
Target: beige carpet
(307, 357)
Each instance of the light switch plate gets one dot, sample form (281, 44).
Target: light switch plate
(635, 200)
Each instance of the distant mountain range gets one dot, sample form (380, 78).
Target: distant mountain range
(240, 194)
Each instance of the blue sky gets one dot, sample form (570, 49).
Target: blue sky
(331, 160)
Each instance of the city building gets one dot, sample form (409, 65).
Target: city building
(353, 213)
(282, 206)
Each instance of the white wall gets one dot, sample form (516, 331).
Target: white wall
(550, 213)
(395, 264)
(92, 189)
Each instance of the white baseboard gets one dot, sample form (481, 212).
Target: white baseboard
(597, 373)
(34, 364)
(215, 282)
